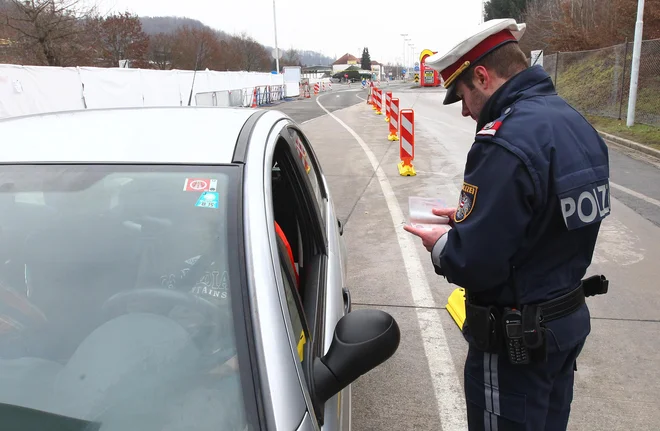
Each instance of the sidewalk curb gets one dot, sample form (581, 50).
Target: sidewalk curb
(630, 144)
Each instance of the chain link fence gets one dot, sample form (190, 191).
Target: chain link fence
(597, 82)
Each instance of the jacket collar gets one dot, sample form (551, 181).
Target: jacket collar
(533, 81)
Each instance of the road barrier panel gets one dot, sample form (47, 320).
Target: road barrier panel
(406, 142)
(394, 120)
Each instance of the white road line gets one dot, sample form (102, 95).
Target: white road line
(636, 194)
(317, 101)
(448, 392)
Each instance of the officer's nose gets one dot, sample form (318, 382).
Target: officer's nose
(466, 112)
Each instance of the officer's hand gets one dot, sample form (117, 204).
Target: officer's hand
(429, 236)
(445, 212)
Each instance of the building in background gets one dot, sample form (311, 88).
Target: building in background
(344, 62)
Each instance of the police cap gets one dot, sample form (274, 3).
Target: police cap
(469, 47)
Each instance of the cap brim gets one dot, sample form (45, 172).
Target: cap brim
(450, 96)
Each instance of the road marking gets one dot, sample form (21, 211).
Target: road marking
(636, 194)
(448, 392)
(317, 101)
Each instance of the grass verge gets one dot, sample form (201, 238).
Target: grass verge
(640, 133)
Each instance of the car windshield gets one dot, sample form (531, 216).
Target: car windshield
(116, 290)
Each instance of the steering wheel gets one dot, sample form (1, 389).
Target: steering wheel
(165, 299)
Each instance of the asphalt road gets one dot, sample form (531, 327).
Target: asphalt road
(618, 380)
(341, 96)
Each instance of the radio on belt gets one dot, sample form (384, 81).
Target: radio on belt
(513, 334)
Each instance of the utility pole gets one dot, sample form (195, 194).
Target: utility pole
(634, 72)
(404, 53)
(277, 51)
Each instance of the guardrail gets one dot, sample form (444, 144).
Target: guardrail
(250, 97)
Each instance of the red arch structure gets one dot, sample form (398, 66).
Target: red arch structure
(427, 77)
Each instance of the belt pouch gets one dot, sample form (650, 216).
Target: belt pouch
(484, 327)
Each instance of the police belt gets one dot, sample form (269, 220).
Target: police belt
(489, 324)
(573, 300)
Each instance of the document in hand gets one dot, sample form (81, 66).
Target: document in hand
(420, 212)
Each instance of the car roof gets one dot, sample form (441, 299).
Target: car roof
(199, 135)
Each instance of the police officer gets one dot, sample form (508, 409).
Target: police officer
(520, 241)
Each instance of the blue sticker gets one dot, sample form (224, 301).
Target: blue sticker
(208, 200)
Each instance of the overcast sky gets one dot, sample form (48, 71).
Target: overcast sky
(315, 25)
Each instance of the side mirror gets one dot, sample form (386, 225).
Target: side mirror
(363, 340)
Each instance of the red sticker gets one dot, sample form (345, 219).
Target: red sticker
(200, 185)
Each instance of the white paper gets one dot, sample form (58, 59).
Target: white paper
(420, 214)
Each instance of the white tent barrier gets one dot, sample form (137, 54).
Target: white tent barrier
(38, 89)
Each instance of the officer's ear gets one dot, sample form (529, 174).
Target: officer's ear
(481, 78)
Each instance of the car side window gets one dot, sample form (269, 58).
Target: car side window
(310, 164)
(301, 239)
(294, 305)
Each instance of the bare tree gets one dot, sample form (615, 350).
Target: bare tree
(195, 48)
(53, 29)
(121, 37)
(160, 50)
(291, 57)
(572, 25)
(252, 56)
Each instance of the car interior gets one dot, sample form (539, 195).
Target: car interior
(286, 216)
(68, 256)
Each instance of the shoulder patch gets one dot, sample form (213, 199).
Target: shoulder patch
(466, 202)
(490, 129)
(584, 205)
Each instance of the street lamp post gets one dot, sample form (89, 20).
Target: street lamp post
(634, 73)
(412, 56)
(277, 51)
(404, 53)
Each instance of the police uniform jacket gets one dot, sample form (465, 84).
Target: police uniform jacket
(534, 194)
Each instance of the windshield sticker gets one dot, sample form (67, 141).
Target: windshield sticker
(212, 284)
(200, 185)
(208, 200)
(192, 260)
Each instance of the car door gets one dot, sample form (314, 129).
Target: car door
(336, 300)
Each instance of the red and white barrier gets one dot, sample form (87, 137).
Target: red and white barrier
(379, 101)
(254, 98)
(316, 88)
(394, 120)
(388, 102)
(407, 142)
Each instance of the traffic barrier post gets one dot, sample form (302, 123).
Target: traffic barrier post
(394, 120)
(374, 98)
(407, 142)
(254, 98)
(379, 102)
(388, 102)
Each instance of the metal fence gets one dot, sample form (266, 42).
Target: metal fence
(244, 97)
(597, 82)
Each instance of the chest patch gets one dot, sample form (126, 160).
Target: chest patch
(585, 205)
(466, 202)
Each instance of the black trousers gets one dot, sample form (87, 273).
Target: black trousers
(505, 397)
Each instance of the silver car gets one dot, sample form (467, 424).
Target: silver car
(167, 269)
